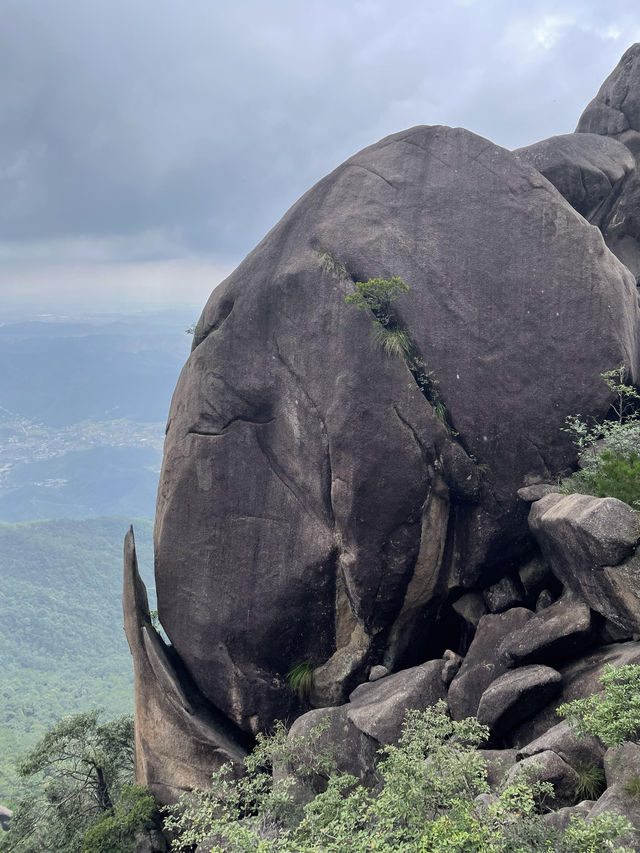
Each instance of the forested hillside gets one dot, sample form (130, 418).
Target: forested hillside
(63, 646)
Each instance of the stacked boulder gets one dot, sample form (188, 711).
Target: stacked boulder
(520, 666)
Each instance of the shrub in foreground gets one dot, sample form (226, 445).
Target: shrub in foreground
(425, 802)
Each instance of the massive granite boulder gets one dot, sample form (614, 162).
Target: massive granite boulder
(584, 167)
(591, 545)
(615, 113)
(313, 506)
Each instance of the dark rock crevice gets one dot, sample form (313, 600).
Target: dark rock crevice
(255, 419)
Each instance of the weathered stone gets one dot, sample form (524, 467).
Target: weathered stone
(352, 750)
(535, 576)
(179, 737)
(308, 487)
(585, 168)
(578, 751)
(590, 543)
(503, 594)
(616, 107)
(544, 600)
(536, 491)
(373, 717)
(482, 664)
(452, 663)
(549, 767)
(150, 841)
(378, 672)
(615, 112)
(378, 709)
(609, 632)
(516, 696)
(470, 607)
(5, 817)
(616, 800)
(498, 763)
(560, 819)
(580, 678)
(557, 633)
(622, 764)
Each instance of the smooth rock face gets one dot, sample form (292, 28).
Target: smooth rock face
(179, 738)
(615, 113)
(584, 167)
(378, 709)
(310, 499)
(590, 544)
(557, 633)
(517, 695)
(563, 740)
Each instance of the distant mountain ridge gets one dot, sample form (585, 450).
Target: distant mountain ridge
(83, 405)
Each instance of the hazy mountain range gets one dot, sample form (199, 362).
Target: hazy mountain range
(83, 403)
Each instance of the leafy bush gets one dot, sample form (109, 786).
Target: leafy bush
(612, 475)
(425, 802)
(376, 295)
(614, 714)
(115, 833)
(610, 450)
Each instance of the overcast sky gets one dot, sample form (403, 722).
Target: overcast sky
(147, 145)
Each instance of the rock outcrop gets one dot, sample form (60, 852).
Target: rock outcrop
(5, 817)
(615, 113)
(326, 504)
(180, 738)
(306, 475)
(584, 167)
(591, 545)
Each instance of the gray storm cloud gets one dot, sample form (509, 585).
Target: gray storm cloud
(200, 122)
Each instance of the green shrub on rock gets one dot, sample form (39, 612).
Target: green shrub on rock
(115, 832)
(426, 802)
(614, 714)
(613, 475)
(376, 295)
(610, 450)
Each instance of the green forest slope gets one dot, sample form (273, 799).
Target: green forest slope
(63, 645)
